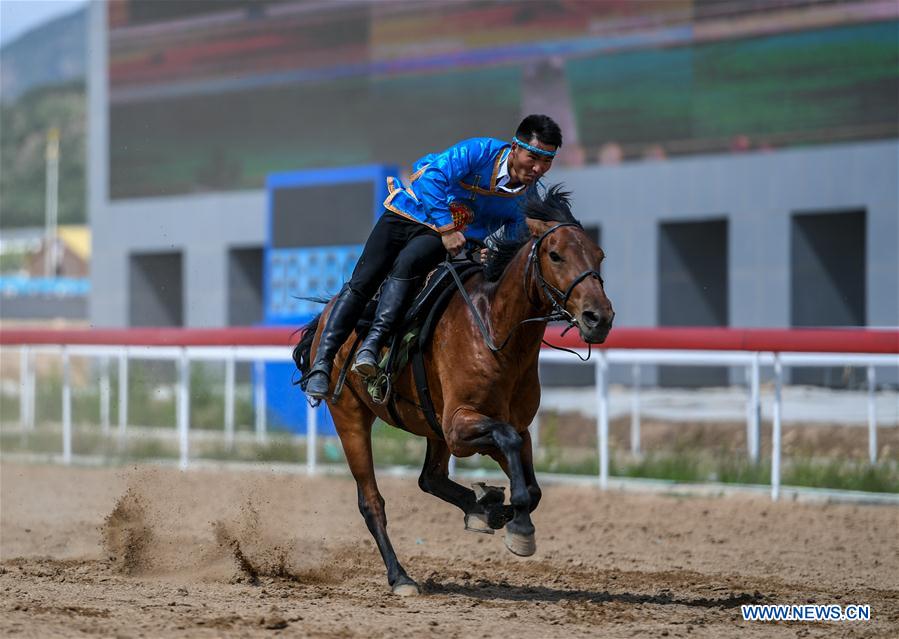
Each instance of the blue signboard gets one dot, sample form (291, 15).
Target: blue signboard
(300, 276)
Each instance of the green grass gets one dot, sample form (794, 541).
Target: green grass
(151, 398)
(396, 448)
(278, 448)
(9, 409)
(673, 467)
(739, 470)
(881, 478)
(90, 441)
(809, 472)
(37, 441)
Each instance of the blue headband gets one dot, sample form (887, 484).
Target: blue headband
(533, 149)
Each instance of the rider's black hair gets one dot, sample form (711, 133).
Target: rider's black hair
(543, 127)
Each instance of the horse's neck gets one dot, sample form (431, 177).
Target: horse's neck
(511, 303)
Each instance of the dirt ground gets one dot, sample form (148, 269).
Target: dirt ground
(153, 552)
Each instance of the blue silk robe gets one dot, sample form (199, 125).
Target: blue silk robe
(465, 173)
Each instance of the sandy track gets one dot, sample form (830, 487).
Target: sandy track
(180, 549)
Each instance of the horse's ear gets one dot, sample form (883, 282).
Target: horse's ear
(537, 227)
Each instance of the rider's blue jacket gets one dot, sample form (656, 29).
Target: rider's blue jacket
(464, 174)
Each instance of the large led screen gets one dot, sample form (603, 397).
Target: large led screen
(212, 96)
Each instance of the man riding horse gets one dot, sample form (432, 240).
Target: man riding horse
(464, 393)
(468, 191)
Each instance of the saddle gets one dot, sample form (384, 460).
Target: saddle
(436, 282)
(411, 339)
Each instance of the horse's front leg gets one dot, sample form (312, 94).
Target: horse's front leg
(527, 463)
(470, 432)
(357, 448)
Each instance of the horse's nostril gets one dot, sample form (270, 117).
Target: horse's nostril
(590, 318)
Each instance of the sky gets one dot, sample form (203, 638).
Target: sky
(19, 16)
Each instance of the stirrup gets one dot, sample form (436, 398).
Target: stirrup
(380, 388)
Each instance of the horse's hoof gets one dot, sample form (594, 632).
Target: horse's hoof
(477, 522)
(406, 590)
(521, 545)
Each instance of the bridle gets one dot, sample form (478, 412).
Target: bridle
(556, 297)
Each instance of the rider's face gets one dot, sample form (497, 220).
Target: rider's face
(526, 167)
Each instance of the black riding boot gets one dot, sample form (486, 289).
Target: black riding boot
(391, 305)
(341, 322)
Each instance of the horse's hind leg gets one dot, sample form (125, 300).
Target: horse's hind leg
(434, 479)
(471, 432)
(353, 423)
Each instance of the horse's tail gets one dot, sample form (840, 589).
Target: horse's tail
(302, 351)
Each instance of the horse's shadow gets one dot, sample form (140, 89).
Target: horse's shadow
(484, 589)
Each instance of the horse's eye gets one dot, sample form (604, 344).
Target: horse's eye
(555, 257)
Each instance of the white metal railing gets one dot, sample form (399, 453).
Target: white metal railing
(183, 356)
(752, 361)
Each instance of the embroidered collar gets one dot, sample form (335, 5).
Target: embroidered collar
(503, 177)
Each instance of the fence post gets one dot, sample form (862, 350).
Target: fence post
(775, 434)
(229, 400)
(602, 419)
(752, 410)
(184, 409)
(311, 438)
(534, 430)
(32, 392)
(259, 393)
(123, 396)
(635, 410)
(104, 394)
(23, 388)
(66, 408)
(872, 416)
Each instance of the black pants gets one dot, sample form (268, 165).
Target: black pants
(399, 248)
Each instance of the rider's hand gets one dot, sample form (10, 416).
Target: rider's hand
(453, 242)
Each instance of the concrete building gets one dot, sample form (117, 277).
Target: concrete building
(805, 236)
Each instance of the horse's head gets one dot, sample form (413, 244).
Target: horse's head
(565, 262)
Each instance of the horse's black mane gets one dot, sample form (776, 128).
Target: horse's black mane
(553, 206)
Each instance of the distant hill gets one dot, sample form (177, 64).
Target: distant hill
(43, 86)
(25, 123)
(52, 54)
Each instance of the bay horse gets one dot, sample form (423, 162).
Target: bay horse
(484, 399)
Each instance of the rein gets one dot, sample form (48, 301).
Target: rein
(557, 299)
